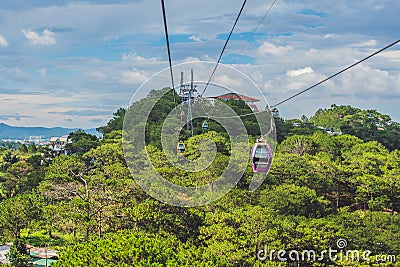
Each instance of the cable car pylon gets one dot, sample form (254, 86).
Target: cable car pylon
(188, 92)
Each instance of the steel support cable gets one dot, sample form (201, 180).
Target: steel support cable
(248, 40)
(336, 74)
(320, 82)
(168, 48)
(223, 49)
(256, 28)
(170, 67)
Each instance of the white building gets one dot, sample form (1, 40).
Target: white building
(4, 250)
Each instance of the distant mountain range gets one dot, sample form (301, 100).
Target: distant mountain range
(20, 133)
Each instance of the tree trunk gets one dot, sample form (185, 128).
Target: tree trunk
(100, 233)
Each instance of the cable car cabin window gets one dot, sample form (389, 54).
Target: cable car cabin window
(261, 152)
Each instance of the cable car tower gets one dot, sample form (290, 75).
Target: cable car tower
(188, 92)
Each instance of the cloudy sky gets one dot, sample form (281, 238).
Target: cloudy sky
(73, 63)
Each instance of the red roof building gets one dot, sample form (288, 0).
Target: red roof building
(250, 101)
(236, 97)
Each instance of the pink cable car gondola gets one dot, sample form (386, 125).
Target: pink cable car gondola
(261, 157)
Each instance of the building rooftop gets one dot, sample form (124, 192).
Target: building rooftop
(236, 97)
(4, 249)
(39, 256)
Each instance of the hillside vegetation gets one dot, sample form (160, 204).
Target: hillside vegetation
(320, 188)
(368, 125)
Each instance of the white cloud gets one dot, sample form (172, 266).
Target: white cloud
(294, 81)
(268, 85)
(391, 55)
(138, 59)
(196, 38)
(190, 59)
(367, 43)
(330, 35)
(305, 79)
(3, 41)
(269, 48)
(227, 81)
(36, 106)
(46, 38)
(132, 57)
(298, 72)
(131, 77)
(362, 82)
(98, 75)
(15, 74)
(43, 72)
(367, 82)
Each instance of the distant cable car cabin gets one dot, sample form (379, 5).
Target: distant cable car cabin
(180, 149)
(205, 126)
(261, 157)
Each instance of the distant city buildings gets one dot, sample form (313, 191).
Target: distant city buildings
(330, 131)
(56, 144)
(39, 256)
(4, 250)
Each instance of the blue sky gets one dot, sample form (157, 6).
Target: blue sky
(73, 63)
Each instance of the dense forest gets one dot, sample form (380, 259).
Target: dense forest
(320, 189)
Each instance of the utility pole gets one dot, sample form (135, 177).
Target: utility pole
(182, 87)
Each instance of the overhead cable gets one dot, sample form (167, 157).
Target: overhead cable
(226, 43)
(336, 74)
